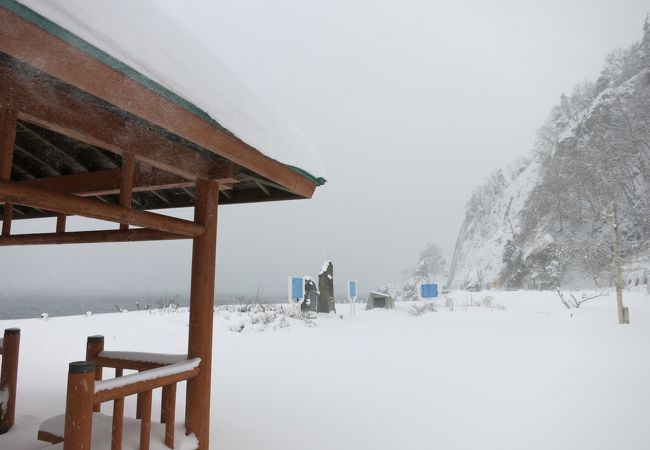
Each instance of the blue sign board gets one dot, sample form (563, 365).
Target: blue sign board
(297, 288)
(352, 289)
(429, 290)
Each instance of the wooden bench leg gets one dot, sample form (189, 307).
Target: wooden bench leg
(168, 413)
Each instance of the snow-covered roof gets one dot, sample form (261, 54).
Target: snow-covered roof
(151, 43)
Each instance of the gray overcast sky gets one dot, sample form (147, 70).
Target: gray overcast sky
(411, 104)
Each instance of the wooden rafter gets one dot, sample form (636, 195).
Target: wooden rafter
(263, 188)
(71, 161)
(36, 164)
(22, 173)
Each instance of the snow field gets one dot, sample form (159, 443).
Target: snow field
(527, 377)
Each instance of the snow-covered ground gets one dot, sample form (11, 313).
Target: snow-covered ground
(532, 376)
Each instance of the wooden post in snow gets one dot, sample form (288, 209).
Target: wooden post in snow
(79, 406)
(9, 377)
(204, 252)
(623, 312)
(94, 346)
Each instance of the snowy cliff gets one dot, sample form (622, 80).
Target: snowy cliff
(548, 221)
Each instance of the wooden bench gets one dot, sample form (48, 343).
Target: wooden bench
(87, 391)
(9, 349)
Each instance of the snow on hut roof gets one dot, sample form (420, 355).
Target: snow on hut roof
(148, 41)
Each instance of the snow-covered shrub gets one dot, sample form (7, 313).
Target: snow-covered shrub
(245, 318)
(449, 303)
(487, 301)
(168, 303)
(421, 307)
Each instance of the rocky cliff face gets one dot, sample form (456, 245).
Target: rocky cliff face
(545, 222)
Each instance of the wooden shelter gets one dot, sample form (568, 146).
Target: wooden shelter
(82, 134)
(380, 300)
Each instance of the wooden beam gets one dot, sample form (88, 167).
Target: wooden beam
(27, 42)
(204, 252)
(107, 182)
(34, 197)
(8, 123)
(40, 102)
(89, 237)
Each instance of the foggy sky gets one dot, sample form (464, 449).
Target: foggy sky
(411, 104)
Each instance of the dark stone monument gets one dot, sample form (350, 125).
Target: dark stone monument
(311, 296)
(326, 288)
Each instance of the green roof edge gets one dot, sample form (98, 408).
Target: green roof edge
(94, 52)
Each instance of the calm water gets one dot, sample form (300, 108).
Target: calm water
(25, 305)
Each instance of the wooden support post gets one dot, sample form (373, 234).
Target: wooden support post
(126, 184)
(138, 405)
(60, 223)
(118, 424)
(163, 404)
(168, 413)
(7, 216)
(79, 406)
(145, 423)
(9, 377)
(204, 252)
(8, 121)
(94, 346)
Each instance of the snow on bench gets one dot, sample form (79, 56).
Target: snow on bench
(173, 369)
(155, 358)
(102, 431)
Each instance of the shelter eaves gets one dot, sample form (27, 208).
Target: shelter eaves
(90, 76)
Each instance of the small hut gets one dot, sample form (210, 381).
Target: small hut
(380, 300)
(112, 113)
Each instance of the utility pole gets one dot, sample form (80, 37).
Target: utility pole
(623, 312)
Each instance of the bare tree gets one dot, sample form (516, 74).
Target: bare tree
(572, 302)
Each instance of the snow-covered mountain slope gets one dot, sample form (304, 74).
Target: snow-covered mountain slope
(492, 222)
(549, 222)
